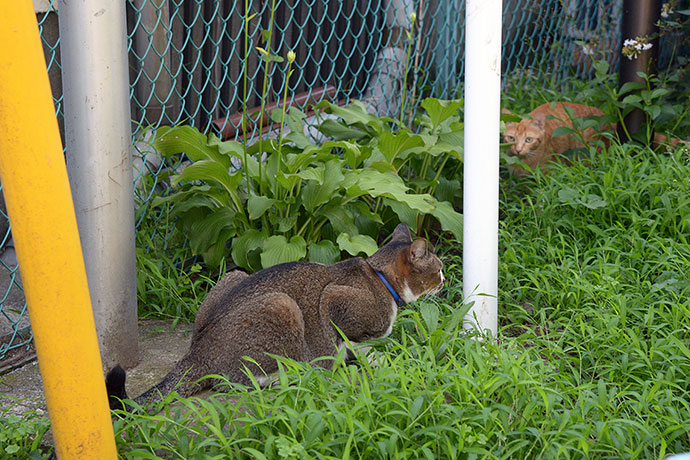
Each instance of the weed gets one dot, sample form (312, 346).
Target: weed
(21, 437)
(170, 284)
(591, 362)
(312, 201)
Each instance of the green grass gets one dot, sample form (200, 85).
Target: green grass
(170, 284)
(592, 358)
(21, 436)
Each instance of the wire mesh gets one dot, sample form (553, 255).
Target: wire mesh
(187, 56)
(187, 60)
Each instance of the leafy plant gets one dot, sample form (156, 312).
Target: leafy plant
(22, 437)
(429, 160)
(170, 283)
(648, 96)
(307, 201)
(662, 96)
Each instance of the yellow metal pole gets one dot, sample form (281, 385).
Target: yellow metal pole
(44, 227)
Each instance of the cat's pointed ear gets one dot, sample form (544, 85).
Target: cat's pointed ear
(418, 250)
(402, 233)
(508, 124)
(539, 122)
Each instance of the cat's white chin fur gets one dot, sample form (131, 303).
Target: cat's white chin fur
(407, 295)
(394, 314)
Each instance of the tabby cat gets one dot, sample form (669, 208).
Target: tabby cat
(297, 310)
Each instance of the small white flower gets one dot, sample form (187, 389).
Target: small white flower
(666, 10)
(632, 47)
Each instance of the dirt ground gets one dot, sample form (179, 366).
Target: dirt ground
(160, 347)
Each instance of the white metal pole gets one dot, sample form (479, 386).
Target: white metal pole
(95, 81)
(480, 202)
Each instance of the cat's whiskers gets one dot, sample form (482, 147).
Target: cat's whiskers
(434, 291)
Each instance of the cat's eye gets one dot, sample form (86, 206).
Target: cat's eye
(510, 139)
(529, 140)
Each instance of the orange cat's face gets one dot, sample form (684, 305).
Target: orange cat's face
(526, 137)
(528, 143)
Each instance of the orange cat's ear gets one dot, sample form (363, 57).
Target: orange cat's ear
(509, 118)
(539, 122)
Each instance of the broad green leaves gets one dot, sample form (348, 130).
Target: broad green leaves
(258, 205)
(324, 252)
(357, 244)
(309, 201)
(277, 250)
(393, 145)
(440, 111)
(321, 188)
(176, 139)
(574, 198)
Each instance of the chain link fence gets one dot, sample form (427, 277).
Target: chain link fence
(187, 61)
(187, 57)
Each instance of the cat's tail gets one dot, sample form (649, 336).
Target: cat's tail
(115, 385)
(662, 139)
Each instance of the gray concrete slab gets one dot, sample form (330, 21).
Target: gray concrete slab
(160, 347)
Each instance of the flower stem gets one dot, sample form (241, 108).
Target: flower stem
(264, 90)
(282, 115)
(407, 68)
(245, 95)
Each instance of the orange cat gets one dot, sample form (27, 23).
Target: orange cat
(532, 138)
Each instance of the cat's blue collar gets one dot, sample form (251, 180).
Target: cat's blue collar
(385, 282)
